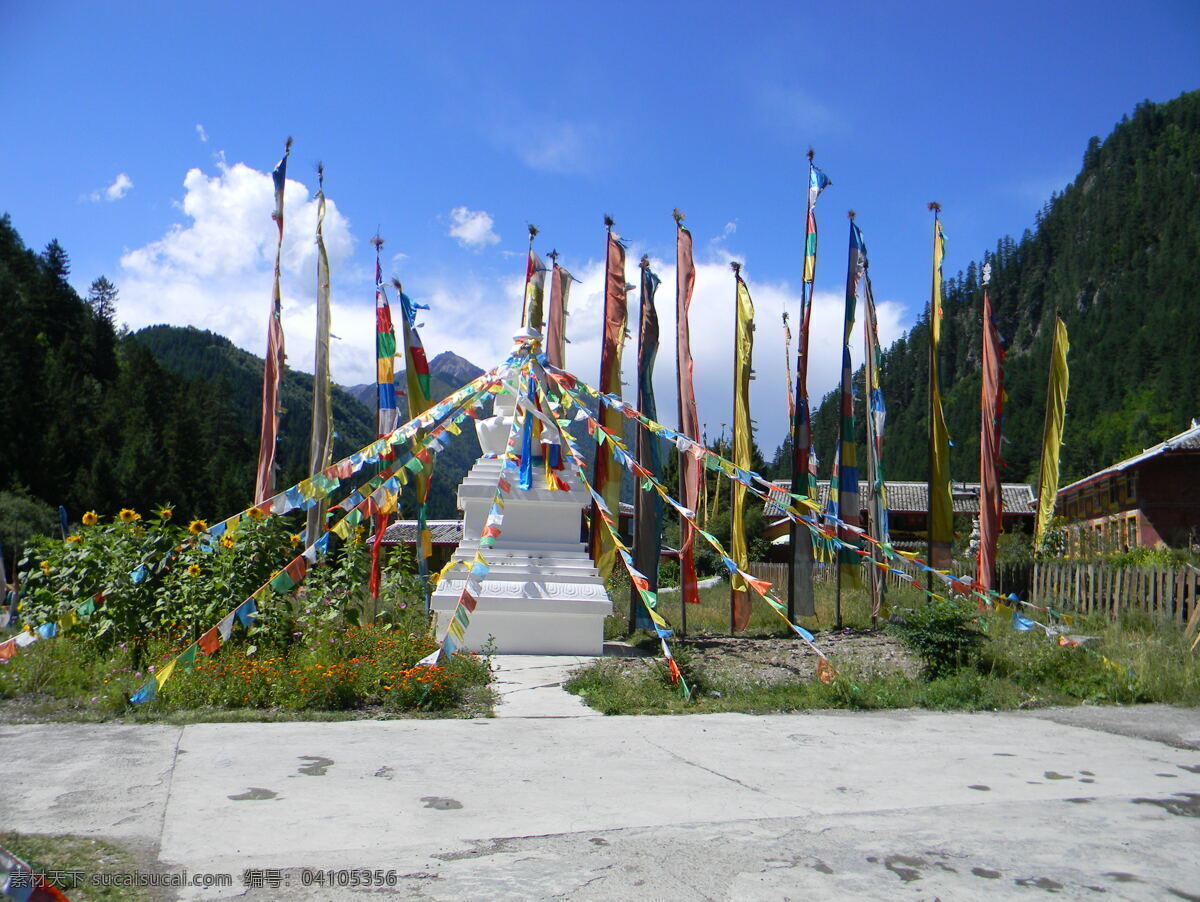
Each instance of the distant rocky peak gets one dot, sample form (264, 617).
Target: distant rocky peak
(453, 369)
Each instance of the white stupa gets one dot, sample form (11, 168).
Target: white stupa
(542, 595)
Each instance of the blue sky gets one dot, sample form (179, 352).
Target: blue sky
(140, 136)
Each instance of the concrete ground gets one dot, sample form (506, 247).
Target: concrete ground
(1078, 803)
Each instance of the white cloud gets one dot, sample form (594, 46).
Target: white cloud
(472, 228)
(213, 270)
(794, 110)
(476, 319)
(118, 189)
(561, 147)
(201, 133)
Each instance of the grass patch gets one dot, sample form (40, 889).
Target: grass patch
(333, 671)
(711, 616)
(75, 860)
(971, 661)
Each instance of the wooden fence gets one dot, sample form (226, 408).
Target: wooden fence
(1170, 593)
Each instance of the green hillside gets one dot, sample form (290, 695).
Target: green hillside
(1117, 254)
(214, 360)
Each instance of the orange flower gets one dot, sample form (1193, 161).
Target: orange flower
(74, 538)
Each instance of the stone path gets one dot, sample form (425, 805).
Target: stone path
(1081, 803)
(531, 686)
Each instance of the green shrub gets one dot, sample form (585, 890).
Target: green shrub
(942, 633)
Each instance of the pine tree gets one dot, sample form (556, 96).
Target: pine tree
(102, 298)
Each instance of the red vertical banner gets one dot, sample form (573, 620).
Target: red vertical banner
(991, 499)
(264, 483)
(690, 471)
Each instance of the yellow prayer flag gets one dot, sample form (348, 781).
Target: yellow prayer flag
(742, 432)
(165, 673)
(1056, 414)
(941, 505)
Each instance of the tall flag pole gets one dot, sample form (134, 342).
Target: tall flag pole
(1056, 415)
(690, 471)
(420, 399)
(876, 418)
(849, 507)
(800, 562)
(264, 484)
(535, 280)
(320, 450)
(941, 506)
(739, 601)
(991, 407)
(386, 414)
(556, 323)
(607, 473)
(647, 506)
(531, 317)
(787, 362)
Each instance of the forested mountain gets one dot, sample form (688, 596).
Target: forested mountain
(214, 360)
(236, 375)
(447, 367)
(1117, 255)
(90, 418)
(95, 418)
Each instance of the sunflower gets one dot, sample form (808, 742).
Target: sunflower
(45, 565)
(226, 541)
(197, 526)
(74, 538)
(164, 513)
(90, 519)
(128, 516)
(255, 513)
(296, 540)
(193, 570)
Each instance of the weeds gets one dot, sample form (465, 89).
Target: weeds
(971, 661)
(331, 667)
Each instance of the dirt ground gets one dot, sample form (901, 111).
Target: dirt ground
(767, 660)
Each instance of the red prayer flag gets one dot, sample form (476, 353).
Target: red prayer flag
(690, 471)
(210, 641)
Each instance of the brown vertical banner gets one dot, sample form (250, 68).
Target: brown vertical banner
(690, 470)
(647, 506)
(320, 453)
(264, 483)
(991, 498)
(556, 324)
(607, 474)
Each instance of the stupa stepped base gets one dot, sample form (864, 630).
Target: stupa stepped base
(542, 595)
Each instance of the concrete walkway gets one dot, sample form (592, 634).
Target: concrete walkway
(1081, 803)
(531, 686)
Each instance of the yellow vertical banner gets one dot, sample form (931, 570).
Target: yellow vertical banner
(941, 505)
(1056, 415)
(739, 613)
